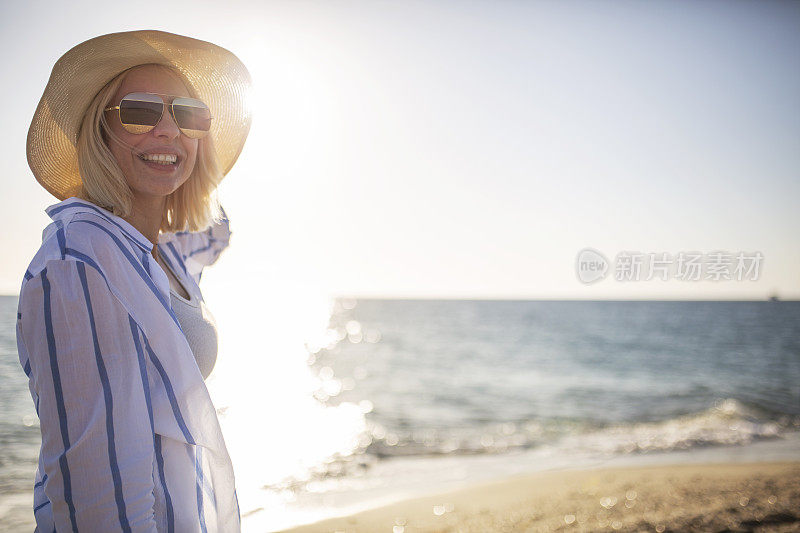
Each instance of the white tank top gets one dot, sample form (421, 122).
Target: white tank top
(197, 322)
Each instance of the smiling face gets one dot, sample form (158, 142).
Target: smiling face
(147, 179)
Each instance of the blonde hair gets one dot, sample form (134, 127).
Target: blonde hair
(194, 206)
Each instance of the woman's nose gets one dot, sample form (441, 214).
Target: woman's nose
(167, 127)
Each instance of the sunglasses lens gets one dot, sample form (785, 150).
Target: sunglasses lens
(193, 117)
(140, 112)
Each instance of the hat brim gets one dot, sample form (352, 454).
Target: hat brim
(216, 75)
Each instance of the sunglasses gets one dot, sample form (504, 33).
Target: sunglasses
(140, 112)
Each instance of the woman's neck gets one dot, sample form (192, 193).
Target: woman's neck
(146, 216)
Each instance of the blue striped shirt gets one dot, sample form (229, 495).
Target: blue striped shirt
(130, 437)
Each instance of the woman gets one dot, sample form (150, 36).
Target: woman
(134, 132)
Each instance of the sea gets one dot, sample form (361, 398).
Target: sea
(447, 392)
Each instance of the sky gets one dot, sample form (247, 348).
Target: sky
(469, 149)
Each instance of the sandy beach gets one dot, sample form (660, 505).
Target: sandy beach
(718, 497)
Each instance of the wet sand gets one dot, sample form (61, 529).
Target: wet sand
(713, 497)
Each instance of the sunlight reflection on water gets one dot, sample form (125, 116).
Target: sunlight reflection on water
(275, 429)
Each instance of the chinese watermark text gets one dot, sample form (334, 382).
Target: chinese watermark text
(592, 266)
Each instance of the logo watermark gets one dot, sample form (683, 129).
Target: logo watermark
(592, 266)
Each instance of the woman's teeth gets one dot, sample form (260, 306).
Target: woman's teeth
(161, 159)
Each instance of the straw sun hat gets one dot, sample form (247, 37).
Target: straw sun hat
(218, 77)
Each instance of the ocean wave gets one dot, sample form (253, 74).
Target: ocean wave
(727, 422)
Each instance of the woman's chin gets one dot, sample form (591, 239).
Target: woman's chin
(160, 183)
(159, 187)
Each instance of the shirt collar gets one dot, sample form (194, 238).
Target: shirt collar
(65, 209)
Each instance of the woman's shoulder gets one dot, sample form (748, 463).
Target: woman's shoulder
(81, 236)
(195, 250)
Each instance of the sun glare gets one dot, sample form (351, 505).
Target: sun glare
(276, 430)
